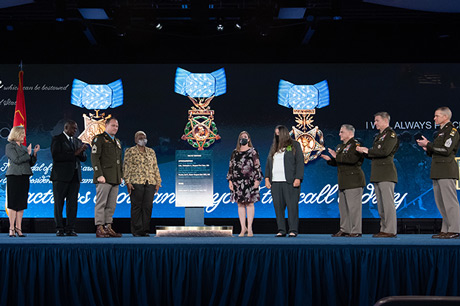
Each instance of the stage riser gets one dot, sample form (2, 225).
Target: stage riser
(212, 274)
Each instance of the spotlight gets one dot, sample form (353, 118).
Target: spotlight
(220, 27)
(159, 26)
(237, 26)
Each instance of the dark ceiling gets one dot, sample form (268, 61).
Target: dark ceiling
(54, 31)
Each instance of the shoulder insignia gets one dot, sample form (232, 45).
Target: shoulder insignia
(393, 134)
(452, 132)
(118, 144)
(448, 143)
(94, 149)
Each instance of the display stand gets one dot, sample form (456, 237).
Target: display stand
(194, 190)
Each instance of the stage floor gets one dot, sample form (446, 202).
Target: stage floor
(42, 269)
(256, 240)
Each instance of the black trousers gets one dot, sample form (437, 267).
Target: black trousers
(286, 195)
(66, 192)
(141, 208)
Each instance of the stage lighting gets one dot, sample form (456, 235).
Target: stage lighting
(291, 12)
(11, 3)
(93, 13)
(220, 27)
(159, 26)
(238, 26)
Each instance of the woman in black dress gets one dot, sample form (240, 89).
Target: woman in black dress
(244, 177)
(20, 159)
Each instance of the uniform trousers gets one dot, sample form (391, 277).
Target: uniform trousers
(385, 193)
(141, 208)
(66, 192)
(106, 202)
(286, 195)
(350, 207)
(445, 195)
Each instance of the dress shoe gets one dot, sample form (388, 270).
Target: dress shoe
(384, 235)
(138, 235)
(146, 235)
(355, 235)
(101, 232)
(71, 233)
(451, 236)
(12, 233)
(292, 235)
(438, 236)
(340, 234)
(280, 235)
(109, 230)
(19, 232)
(60, 233)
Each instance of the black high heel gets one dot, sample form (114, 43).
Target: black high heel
(12, 233)
(19, 232)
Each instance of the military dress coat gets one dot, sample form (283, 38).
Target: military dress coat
(443, 150)
(106, 159)
(385, 145)
(348, 162)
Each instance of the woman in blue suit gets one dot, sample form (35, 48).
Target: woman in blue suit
(284, 173)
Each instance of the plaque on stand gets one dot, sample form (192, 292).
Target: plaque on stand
(194, 191)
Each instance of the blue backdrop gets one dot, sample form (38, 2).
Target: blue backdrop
(409, 92)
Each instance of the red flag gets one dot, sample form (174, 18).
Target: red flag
(20, 110)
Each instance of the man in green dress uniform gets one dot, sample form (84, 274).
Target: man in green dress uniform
(383, 173)
(444, 172)
(351, 182)
(106, 161)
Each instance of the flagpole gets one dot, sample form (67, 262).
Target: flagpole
(19, 118)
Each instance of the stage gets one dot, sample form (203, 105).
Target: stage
(43, 269)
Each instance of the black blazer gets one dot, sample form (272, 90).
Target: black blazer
(64, 159)
(293, 165)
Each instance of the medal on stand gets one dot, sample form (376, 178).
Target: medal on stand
(304, 99)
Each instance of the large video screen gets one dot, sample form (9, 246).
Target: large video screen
(409, 92)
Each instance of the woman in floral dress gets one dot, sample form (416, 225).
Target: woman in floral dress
(244, 177)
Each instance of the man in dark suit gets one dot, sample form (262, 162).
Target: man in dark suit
(444, 172)
(67, 152)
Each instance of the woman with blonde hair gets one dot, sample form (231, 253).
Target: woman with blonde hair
(20, 160)
(244, 177)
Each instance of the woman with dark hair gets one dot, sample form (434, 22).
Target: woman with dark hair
(283, 175)
(244, 177)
